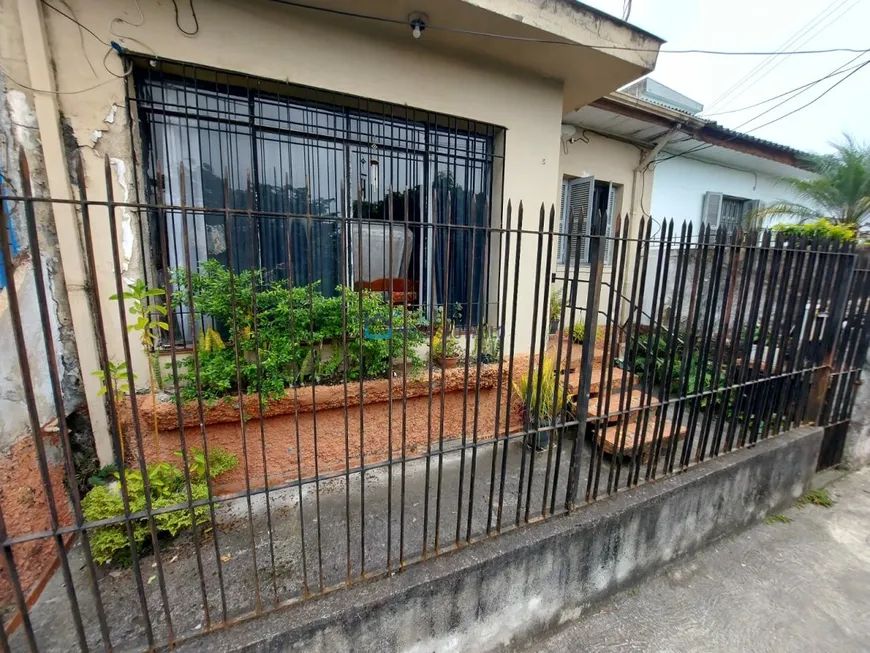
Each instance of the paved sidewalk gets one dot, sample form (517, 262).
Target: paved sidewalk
(779, 587)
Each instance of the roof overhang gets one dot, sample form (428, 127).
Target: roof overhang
(633, 120)
(590, 52)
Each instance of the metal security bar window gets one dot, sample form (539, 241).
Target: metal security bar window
(316, 154)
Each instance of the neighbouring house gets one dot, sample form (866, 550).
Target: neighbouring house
(643, 151)
(279, 109)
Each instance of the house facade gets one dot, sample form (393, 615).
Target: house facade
(654, 158)
(335, 110)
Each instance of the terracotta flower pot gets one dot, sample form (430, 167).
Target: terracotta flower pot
(447, 362)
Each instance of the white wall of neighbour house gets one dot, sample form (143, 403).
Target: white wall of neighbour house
(680, 185)
(678, 194)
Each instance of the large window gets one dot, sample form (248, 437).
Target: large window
(339, 188)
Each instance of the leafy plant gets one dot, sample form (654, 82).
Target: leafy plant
(167, 489)
(149, 328)
(285, 347)
(817, 497)
(486, 347)
(448, 348)
(118, 384)
(821, 228)
(839, 191)
(578, 334)
(543, 406)
(555, 306)
(103, 476)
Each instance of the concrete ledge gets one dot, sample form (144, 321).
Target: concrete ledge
(509, 589)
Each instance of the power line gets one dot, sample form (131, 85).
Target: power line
(789, 92)
(761, 65)
(837, 70)
(815, 30)
(526, 39)
(769, 122)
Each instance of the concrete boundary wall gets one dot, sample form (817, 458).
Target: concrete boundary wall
(507, 590)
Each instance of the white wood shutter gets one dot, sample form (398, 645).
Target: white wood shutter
(712, 211)
(577, 198)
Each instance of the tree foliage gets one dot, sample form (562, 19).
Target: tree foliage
(839, 193)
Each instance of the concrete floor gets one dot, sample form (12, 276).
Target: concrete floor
(800, 586)
(320, 521)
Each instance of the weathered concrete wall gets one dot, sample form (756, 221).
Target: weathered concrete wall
(22, 497)
(857, 451)
(507, 590)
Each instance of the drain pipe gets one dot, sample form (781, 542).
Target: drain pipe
(646, 159)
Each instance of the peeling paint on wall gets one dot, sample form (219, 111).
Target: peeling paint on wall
(110, 118)
(23, 118)
(127, 219)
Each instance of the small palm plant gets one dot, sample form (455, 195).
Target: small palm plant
(541, 399)
(149, 324)
(118, 385)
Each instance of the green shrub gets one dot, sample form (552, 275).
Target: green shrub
(555, 306)
(292, 326)
(168, 488)
(818, 229)
(486, 347)
(578, 333)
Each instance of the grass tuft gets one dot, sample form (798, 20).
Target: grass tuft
(818, 497)
(777, 519)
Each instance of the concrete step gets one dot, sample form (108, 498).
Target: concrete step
(595, 385)
(617, 403)
(613, 437)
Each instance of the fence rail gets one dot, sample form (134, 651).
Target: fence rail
(310, 438)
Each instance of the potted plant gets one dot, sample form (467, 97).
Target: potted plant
(555, 310)
(539, 403)
(446, 353)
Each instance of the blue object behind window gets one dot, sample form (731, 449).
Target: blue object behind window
(13, 241)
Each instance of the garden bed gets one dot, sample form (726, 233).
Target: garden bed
(282, 444)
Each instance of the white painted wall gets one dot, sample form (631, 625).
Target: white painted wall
(680, 184)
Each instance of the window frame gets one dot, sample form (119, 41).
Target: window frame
(445, 144)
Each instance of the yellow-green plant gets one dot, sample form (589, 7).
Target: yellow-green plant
(540, 406)
(555, 306)
(118, 385)
(542, 398)
(578, 333)
(819, 229)
(149, 328)
(168, 488)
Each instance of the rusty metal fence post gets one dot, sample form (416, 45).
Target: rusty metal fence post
(593, 295)
(823, 357)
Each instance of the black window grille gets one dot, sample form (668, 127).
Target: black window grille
(312, 158)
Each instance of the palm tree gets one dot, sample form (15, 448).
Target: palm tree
(839, 193)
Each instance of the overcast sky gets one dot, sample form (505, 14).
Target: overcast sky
(765, 25)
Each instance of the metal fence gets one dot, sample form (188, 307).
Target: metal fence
(309, 441)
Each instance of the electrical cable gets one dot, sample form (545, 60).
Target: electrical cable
(761, 65)
(838, 70)
(814, 32)
(76, 92)
(770, 122)
(789, 92)
(195, 30)
(457, 30)
(73, 20)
